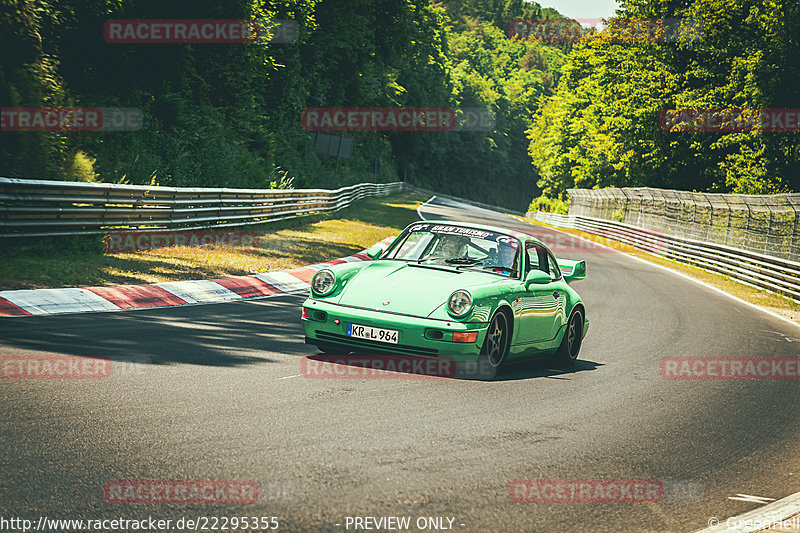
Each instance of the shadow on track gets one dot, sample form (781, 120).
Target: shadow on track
(225, 335)
(543, 368)
(394, 366)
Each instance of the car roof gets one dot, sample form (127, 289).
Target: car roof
(496, 229)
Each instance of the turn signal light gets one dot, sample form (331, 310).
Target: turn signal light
(305, 313)
(465, 336)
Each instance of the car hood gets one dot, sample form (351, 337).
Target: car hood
(409, 288)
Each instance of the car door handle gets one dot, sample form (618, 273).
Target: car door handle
(556, 294)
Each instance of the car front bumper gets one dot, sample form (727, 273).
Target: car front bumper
(417, 336)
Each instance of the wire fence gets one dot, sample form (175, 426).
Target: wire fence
(765, 224)
(752, 268)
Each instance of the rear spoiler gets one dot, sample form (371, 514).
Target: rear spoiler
(572, 270)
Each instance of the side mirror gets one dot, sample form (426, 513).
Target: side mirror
(537, 277)
(376, 251)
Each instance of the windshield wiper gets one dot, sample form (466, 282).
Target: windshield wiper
(462, 260)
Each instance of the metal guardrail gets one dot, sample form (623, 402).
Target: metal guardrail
(767, 224)
(490, 207)
(38, 208)
(753, 268)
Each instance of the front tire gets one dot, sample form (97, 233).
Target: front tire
(567, 353)
(498, 339)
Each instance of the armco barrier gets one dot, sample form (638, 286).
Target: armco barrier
(766, 224)
(772, 273)
(37, 208)
(490, 207)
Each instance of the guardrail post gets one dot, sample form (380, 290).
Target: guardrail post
(769, 227)
(794, 242)
(747, 227)
(710, 226)
(694, 223)
(730, 212)
(627, 204)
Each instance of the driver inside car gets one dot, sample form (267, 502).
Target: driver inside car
(507, 256)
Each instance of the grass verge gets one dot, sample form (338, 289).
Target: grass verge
(80, 261)
(771, 301)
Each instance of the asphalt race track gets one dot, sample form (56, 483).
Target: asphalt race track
(213, 392)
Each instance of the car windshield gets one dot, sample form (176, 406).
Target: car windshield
(459, 247)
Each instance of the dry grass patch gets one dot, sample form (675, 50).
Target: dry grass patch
(282, 245)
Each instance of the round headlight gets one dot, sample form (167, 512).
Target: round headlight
(459, 303)
(323, 281)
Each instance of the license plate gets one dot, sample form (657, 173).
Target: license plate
(372, 334)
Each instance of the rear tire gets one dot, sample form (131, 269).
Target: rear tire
(567, 353)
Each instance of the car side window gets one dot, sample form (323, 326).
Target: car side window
(544, 266)
(536, 258)
(555, 272)
(531, 257)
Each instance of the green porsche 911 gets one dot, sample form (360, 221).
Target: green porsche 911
(450, 289)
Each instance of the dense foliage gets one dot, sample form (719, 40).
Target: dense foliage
(549, 205)
(602, 129)
(229, 114)
(586, 114)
